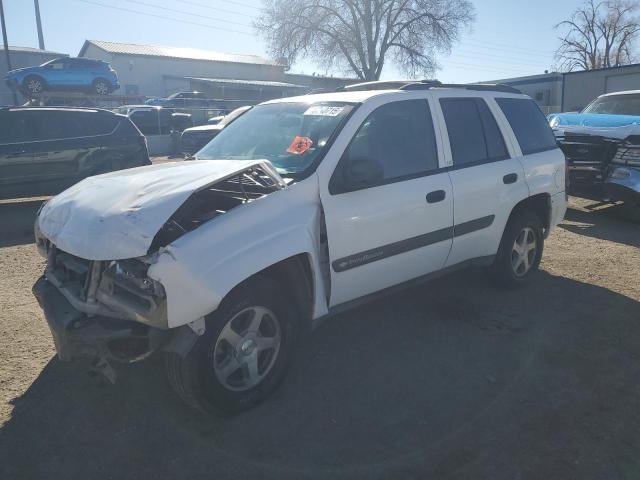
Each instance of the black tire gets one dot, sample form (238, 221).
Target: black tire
(101, 86)
(503, 270)
(34, 85)
(194, 377)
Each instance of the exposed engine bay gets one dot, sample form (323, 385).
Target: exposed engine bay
(212, 201)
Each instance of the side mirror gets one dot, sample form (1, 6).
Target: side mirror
(362, 172)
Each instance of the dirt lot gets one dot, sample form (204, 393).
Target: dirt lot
(454, 379)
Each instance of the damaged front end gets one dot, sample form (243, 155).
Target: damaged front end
(606, 165)
(102, 311)
(112, 310)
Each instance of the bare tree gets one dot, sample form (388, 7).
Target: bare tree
(361, 35)
(599, 34)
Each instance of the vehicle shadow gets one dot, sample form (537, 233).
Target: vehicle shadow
(615, 223)
(453, 378)
(17, 218)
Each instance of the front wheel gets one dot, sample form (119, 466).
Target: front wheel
(520, 250)
(33, 85)
(242, 356)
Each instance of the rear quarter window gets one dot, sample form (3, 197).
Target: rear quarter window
(528, 124)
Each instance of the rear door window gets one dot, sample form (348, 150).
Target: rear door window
(473, 132)
(528, 124)
(58, 125)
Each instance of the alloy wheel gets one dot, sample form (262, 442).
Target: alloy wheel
(247, 348)
(34, 86)
(524, 251)
(102, 88)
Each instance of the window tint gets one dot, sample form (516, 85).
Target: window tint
(52, 125)
(528, 124)
(14, 127)
(400, 137)
(79, 63)
(98, 124)
(473, 132)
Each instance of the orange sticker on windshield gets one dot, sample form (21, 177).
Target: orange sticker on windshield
(300, 145)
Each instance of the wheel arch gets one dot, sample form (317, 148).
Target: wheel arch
(295, 275)
(25, 79)
(540, 204)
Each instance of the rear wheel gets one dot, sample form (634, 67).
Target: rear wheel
(101, 86)
(244, 353)
(33, 85)
(520, 250)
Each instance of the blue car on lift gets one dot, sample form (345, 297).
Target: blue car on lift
(602, 146)
(65, 73)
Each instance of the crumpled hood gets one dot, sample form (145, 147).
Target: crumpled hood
(592, 120)
(116, 215)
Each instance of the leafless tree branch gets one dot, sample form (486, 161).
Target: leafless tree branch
(359, 36)
(599, 34)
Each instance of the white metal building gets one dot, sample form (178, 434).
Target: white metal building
(158, 71)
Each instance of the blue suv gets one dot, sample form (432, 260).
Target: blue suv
(64, 73)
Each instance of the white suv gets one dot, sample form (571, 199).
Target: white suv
(301, 208)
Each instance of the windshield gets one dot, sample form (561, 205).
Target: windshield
(615, 105)
(290, 135)
(233, 115)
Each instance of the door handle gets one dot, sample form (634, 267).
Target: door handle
(436, 196)
(510, 178)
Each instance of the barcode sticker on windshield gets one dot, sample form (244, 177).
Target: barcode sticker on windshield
(324, 111)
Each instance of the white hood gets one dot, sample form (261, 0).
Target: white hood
(116, 215)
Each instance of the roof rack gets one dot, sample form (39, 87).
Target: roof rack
(387, 85)
(425, 85)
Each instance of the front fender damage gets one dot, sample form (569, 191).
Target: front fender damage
(105, 308)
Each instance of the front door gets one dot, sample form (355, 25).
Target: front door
(399, 225)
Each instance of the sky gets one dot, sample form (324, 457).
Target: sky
(510, 38)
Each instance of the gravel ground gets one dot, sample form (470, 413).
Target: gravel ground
(453, 379)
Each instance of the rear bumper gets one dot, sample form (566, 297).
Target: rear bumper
(558, 209)
(77, 335)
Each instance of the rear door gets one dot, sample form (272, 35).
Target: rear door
(65, 140)
(400, 227)
(488, 180)
(80, 72)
